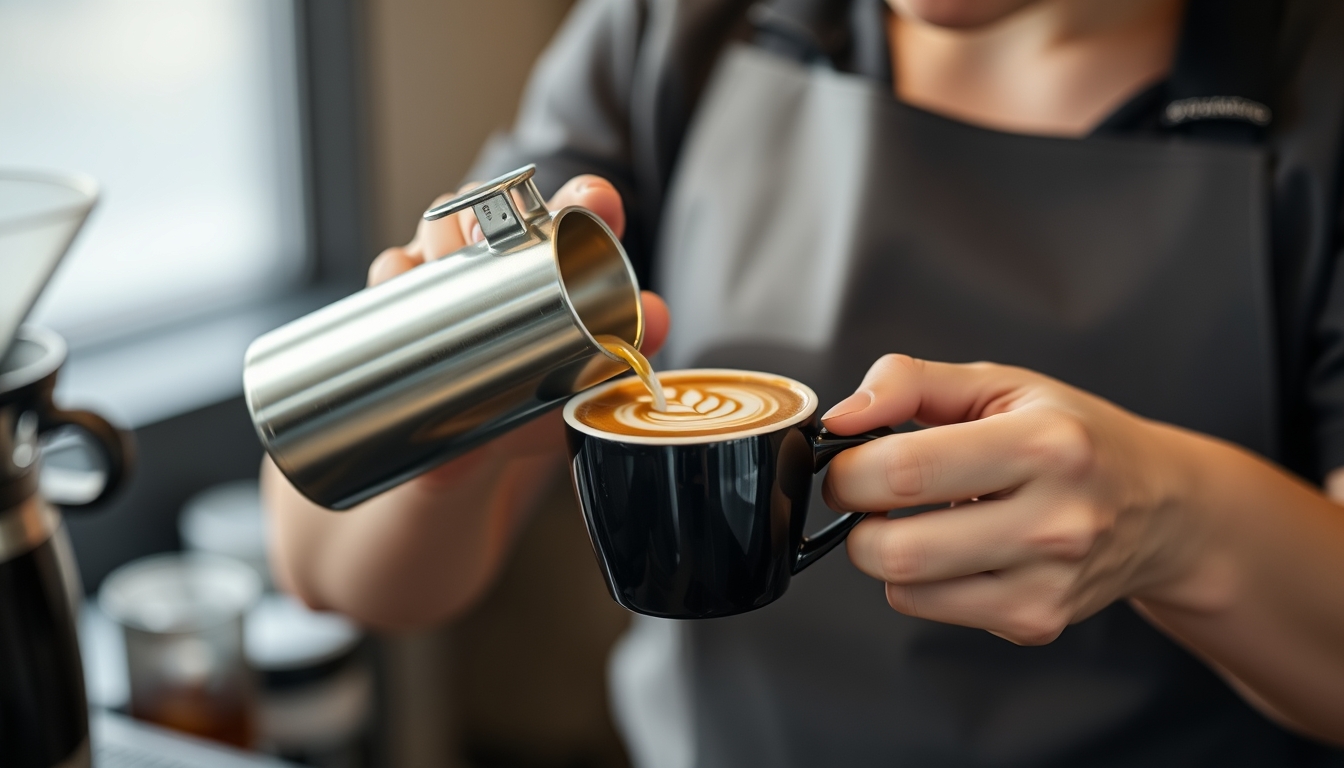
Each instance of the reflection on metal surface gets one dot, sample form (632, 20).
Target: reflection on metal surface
(26, 526)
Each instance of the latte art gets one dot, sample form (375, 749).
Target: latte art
(717, 406)
(698, 404)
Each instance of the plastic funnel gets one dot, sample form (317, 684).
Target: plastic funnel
(40, 214)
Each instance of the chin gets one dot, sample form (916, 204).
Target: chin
(958, 14)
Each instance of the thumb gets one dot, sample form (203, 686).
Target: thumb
(597, 195)
(657, 322)
(898, 388)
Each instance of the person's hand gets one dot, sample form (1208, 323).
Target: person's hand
(425, 550)
(1061, 502)
(436, 239)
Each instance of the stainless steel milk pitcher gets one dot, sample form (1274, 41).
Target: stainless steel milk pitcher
(374, 389)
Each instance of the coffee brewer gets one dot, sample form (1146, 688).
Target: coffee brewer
(43, 713)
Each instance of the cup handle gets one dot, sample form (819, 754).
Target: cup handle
(114, 444)
(826, 446)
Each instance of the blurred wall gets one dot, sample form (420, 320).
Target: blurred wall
(443, 75)
(519, 682)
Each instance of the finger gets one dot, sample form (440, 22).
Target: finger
(467, 225)
(970, 538)
(941, 464)
(898, 388)
(597, 195)
(450, 476)
(441, 237)
(389, 264)
(1019, 606)
(657, 322)
(544, 436)
(592, 192)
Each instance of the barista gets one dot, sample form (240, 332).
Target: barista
(1134, 203)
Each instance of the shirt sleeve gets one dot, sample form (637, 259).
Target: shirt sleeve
(575, 114)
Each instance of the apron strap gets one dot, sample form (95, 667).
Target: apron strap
(847, 35)
(805, 30)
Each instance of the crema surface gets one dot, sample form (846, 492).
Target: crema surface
(697, 405)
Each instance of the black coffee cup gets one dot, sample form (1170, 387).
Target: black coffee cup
(701, 527)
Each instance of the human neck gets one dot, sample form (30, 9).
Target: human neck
(1053, 67)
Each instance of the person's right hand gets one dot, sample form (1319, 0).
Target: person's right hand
(436, 239)
(425, 550)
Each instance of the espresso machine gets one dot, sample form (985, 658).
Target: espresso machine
(43, 712)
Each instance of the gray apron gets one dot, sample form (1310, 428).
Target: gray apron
(815, 224)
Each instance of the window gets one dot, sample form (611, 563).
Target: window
(187, 114)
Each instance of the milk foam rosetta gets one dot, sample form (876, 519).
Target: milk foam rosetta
(697, 405)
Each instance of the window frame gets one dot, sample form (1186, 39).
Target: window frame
(122, 376)
(335, 139)
(186, 411)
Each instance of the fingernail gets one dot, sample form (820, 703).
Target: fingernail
(476, 234)
(852, 404)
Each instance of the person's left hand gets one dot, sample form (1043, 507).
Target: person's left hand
(1061, 502)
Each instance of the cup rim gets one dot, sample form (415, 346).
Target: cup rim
(81, 184)
(809, 408)
(117, 603)
(53, 356)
